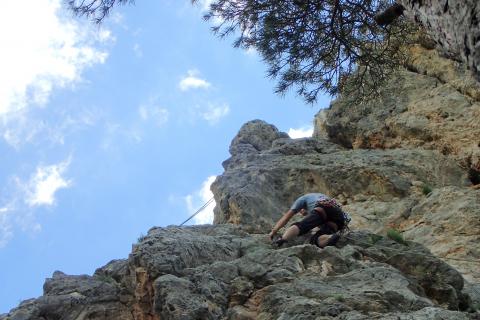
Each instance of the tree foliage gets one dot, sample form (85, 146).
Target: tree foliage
(97, 10)
(332, 46)
(317, 46)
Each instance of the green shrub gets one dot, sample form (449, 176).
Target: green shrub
(396, 236)
(426, 189)
(141, 237)
(339, 297)
(374, 238)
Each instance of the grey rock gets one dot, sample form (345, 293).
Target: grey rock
(256, 189)
(174, 249)
(453, 25)
(175, 298)
(255, 136)
(302, 146)
(428, 313)
(433, 105)
(448, 223)
(235, 275)
(74, 297)
(473, 291)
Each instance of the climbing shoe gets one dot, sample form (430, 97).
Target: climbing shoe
(333, 240)
(279, 242)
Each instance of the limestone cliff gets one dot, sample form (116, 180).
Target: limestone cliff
(422, 192)
(409, 160)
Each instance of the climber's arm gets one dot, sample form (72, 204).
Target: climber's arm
(282, 222)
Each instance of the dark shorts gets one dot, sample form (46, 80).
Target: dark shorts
(325, 229)
(314, 219)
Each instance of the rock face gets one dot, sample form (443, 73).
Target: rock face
(258, 186)
(422, 192)
(409, 160)
(433, 106)
(454, 25)
(221, 272)
(76, 297)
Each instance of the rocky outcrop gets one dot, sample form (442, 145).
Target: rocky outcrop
(433, 105)
(258, 186)
(76, 297)
(221, 272)
(422, 192)
(453, 24)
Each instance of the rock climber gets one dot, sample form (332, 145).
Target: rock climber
(318, 210)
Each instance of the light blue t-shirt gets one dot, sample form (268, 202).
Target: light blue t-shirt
(307, 201)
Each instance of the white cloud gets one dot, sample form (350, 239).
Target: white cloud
(156, 114)
(302, 132)
(214, 113)
(22, 129)
(200, 197)
(192, 81)
(5, 227)
(117, 18)
(43, 48)
(137, 50)
(251, 52)
(47, 180)
(21, 199)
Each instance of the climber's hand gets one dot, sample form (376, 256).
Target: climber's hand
(272, 234)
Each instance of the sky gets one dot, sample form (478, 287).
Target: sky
(107, 131)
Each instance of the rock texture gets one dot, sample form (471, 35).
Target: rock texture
(448, 222)
(75, 297)
(422, 192)
(258, 186)
(433, 105)
(453, 24)
(221, 272)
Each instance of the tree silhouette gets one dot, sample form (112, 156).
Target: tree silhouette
(348, 46)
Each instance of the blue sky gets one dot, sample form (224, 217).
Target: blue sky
(106, 132)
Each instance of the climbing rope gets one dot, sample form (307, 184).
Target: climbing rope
(206, 204)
